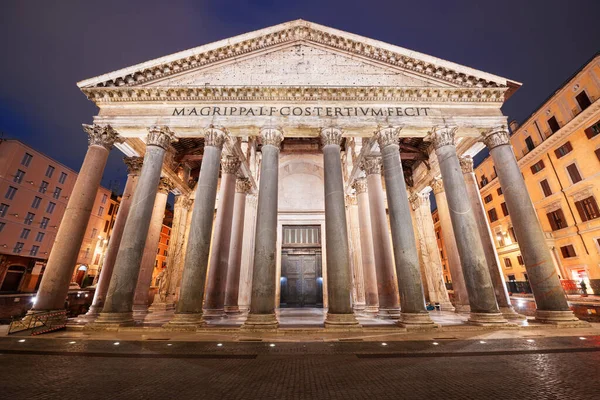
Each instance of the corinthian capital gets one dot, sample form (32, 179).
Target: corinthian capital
(496, 137)
(160, 136)
(230, 164)
(165, 185)
(360, 185)
(331, 135)
(271, 136)
(214, 136)
(101, 135)
(134, 164)
(419, 200)
(466, 164)
(372, 165)
(437, 185)
(243, 185)
(387, 136)
(443, 136)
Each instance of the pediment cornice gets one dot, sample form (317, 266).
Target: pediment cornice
(299, 31)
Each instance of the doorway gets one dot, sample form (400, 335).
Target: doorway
(301, 269)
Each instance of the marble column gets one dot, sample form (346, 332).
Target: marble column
(482, 299)
(551, 301)
(248, 253)
(487, 241)
(339, 278)
(144, 281)
(387, 283)
(358, 281)
(232, 290)
(408, 270)
(366, 246)
(432, 264)
(134, 166)
(59, 269)
(262, 302)
(219, 256)
(188, 314)
(165, 297)
(461, 298)
(118, 307)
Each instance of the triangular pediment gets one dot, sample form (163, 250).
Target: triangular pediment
(299, 53)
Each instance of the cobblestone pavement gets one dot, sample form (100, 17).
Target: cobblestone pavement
(553, 368)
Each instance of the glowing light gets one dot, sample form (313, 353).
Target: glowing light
(530, 340)
(21, 341)
(72, 342)
(482, 342)
(33, 299)
(219, 344)
(272, 345)
(581, 338)
(384, 344)
(116, 343)
(435, 343)
(169, 344)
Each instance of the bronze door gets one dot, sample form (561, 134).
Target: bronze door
(301, 282)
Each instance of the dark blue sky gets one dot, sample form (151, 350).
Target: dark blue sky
(47, 46)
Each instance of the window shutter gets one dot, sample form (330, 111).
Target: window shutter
(594, 206)
(597, 154)
(581, 211)
(568, 146)
(552, 222)
(589, 132)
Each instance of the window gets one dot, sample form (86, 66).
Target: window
(36, 202)
(165, 253)
(10, 193)
(29, 218)
(568, 251)
(557, 219)
(49, 171)
(43, 187)
(513, 235)
(574, 173)
(26, 159)
(87, 253)
(587, 208)
(44, 223)
(583, 100)
(499, 191)
(553, 124)
(110, 209)
(493, 215)
(2, 224)
(50, 208)
(511, 278)
(484, 181)
(504, 209)
(18, 247)
(34, 250)
(100, 211)
(537, 167)
(526, 277)
(487, 198)
(529, 143)
(56, 193)
(97, 260)
(25, 233)
(106, 226)
(104, 198)
(520, 260)
(40, 236)
(3, 209)
(19, 176)
(507, 263)
(563, 150)
(597, 151)
(62, 178)
(593, 130)
(546, 188)
(94, 232)
(158, 251)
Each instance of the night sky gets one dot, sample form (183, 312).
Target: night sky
(47, 46)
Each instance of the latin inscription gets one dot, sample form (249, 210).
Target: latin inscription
(210, 111)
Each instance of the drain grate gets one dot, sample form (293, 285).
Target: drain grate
(250, 340)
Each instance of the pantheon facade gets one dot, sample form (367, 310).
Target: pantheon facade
(302, 160)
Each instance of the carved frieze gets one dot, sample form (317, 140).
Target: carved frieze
(230, 164)
(496, 137)
(271, 136)
(443, 136)
(371, 165)
(214, 136)
(331, 136)
(360, 185)
(437, 185)
(387, 136)
(160, 136)
(243, 185)
(134, 164)
(165, 185)
(419, 200)
(466, 164)
(102, 135)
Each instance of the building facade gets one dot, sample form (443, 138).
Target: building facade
(312, 137)
(558, 153)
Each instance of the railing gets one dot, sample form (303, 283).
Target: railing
(39, 323)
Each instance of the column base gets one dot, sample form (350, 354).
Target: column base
(91, 315)
(108, 321)
(341, 321)
(140, 312)
(447, 306)
(260, 322)
(562, 318)
(185, 322)
(419, 321)
(161, 307)
(462, 308)
(389, 313)
(487, 319)
(371, 310)
(232, 310)
(359, 307)
(213, 313)
(510, 313)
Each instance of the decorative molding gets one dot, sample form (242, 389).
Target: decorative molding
(134, 164)
(102, 135)
(331, 136)
(443, 136)
(296, 93)
(215, 136)
(371, 165)
(466, 164)
(437, 185)
(165, 185)
(496, 137)
(583, 193)
(230, 164)
(271, 136)
(293, 33)
(243, 185)
(360, 185)
(183, 201)
(160, 136)
(351, 200)
(555, 205)
(388, 136)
